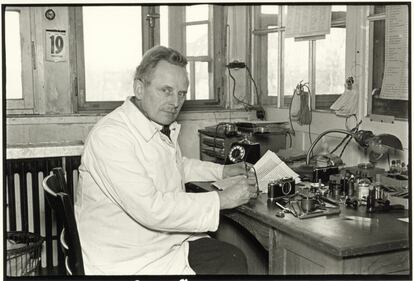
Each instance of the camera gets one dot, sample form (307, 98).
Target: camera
(281, 187)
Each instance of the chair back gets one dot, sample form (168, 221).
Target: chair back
(61, 202)
(60, 174)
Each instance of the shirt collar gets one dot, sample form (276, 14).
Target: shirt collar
(144, 126)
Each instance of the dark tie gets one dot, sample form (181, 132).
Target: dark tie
(166, 130)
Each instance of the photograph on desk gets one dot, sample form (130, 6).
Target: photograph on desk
(216, 140)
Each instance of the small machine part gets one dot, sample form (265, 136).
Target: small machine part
(280, 214)
(371, 200)
(280, 188)
(323, 173)
(230, 129)
(351, 202)
(308, 204)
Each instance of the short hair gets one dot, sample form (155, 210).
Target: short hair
(152, 57)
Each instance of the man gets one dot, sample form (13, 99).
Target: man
(133, 214)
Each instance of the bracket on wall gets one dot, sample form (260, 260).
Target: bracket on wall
(382, 118)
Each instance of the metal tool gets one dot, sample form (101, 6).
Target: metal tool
(286, 210)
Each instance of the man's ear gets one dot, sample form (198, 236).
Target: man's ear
(138, 88)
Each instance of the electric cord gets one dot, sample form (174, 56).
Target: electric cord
(348, 137)
(346, 144)
(255, 86)
(246, 105)
(305, 116)
(342, 141)
(290, 115)
(305, 112)
(290, 139)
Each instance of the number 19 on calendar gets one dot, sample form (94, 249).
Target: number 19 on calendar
(56, 41)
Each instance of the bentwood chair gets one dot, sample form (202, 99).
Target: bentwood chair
(60, 201)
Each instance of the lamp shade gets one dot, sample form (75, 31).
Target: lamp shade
(381, 144)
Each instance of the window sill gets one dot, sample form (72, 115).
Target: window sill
(41, 150)
(91, 118)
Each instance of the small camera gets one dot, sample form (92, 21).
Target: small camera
(281, 187)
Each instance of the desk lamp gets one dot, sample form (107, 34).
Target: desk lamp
(377, 145)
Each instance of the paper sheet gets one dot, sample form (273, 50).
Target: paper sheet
(270, 167)
(308, 21)
(395, 83)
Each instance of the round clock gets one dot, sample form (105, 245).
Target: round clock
(50, 14)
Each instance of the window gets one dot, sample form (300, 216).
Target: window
(18, 58)
(108, 51)
(286, 62)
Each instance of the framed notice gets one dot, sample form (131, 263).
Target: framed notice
(56, 41)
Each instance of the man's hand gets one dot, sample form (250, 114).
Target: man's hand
(238, 194)
(232, 170)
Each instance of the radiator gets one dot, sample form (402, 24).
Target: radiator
(26, 205)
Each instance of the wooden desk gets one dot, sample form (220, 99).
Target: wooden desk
(352, 242)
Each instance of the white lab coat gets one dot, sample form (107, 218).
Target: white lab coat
(132, 211)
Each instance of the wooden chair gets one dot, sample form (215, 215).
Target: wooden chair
(59, 200)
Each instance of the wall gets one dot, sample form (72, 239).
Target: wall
(354, 154)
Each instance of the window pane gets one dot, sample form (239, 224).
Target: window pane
(13, 56)
(269, 9)
(272, 63)
(338, 8)
(197, 40)
(296, 64)
(112, 50)
(201, 81)
(330, 63)
(196, 13)
(164, 26)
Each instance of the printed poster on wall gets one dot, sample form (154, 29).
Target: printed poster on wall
(56, 41)
(311, 22)
(395, 82)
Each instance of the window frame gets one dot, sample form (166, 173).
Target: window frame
(260, 31)
(25, 105)
(216, 33)
(148, 34)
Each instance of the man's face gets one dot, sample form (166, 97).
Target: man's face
(163, 96)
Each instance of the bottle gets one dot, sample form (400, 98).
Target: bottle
(398, 167)
(363, 187)
(404, 170)
(377, 187)
(351, 183)
(393, 167)
(371, 200)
